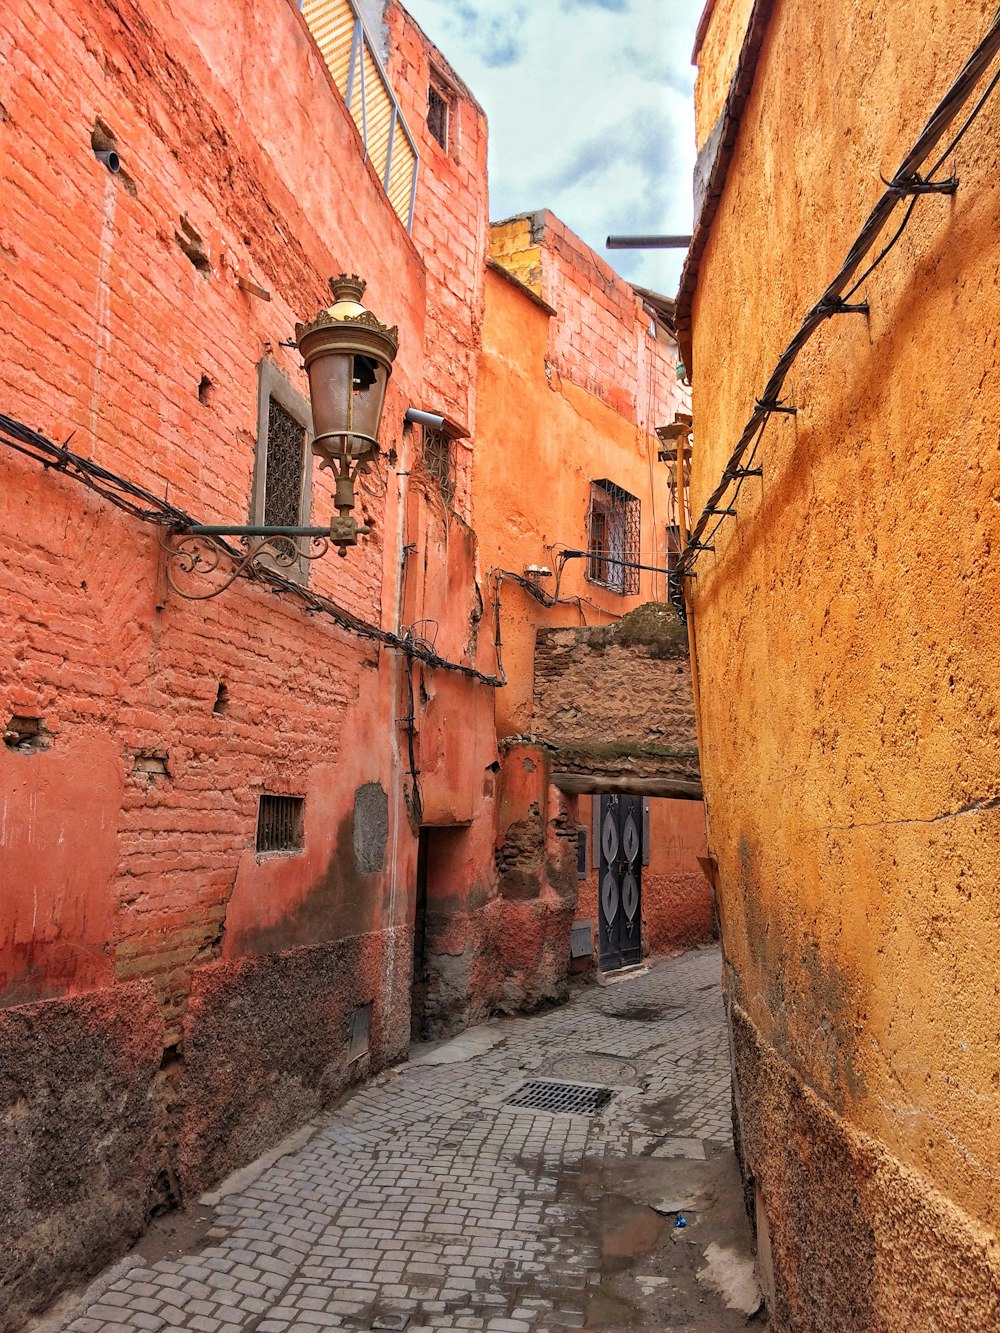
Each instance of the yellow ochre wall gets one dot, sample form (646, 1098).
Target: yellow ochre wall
(847, 635)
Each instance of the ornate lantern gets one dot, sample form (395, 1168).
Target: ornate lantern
(348, 355)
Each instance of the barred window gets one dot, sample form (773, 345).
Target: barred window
(282, 475)
(284, 466)
(437, 115)
(439, 460)
(613, 537)
(280, 824)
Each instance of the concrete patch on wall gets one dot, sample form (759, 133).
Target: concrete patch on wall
(371, 828)
(78, 1122)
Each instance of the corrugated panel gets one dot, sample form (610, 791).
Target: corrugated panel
(334, 24)
(378, 105)
(404, 164)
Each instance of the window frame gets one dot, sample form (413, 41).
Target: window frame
(435, 87)
(296, 821)
(272, 383)
(444, 448)
(610, 501)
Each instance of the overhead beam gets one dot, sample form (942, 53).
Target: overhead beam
(604, 784)
(648, 242)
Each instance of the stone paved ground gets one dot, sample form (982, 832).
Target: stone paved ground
(423, 1201)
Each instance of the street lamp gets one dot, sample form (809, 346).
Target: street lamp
(348, 355)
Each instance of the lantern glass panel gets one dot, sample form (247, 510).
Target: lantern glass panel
(330, 391)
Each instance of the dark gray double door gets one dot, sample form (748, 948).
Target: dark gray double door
(620, 883)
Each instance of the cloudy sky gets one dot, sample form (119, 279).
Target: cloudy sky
(589, 106)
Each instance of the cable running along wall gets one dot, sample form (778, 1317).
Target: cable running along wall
(907, 184)
(149, 508)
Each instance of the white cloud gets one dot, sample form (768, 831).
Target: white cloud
(589, 106)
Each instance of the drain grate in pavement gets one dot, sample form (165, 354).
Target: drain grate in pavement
(560, 1098)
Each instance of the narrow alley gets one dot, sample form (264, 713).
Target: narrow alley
(429, 1199)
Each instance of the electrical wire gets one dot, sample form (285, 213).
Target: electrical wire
(149, 508)
(835, 299)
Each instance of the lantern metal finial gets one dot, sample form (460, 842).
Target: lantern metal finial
(348, 287)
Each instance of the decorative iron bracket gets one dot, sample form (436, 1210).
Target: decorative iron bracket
(198, 549)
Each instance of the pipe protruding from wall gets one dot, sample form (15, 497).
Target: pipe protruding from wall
(415, 417)
(110, 159)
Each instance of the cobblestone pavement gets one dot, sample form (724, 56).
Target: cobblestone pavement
(424, 1202)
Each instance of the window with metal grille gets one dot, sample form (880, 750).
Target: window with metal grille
(280, 824)
(437, 115)
(613, 537)
(284, 467)
(439, 459)
(282, 475)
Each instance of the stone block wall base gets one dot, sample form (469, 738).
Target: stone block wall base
(859, 1242)
(78, 1127)
(267, 1044)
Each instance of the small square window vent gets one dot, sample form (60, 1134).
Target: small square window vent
(280, 824)
(560, 1098)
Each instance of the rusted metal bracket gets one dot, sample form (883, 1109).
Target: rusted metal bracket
(915, 184)
(836, 305)
(774, 405)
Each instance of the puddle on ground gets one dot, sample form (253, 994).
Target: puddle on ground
(607, 1311)
(646, 1013)
(172, 1235)
(628, 1230)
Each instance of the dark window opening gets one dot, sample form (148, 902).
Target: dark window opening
(437, 115)
(440, 462)
(286, 439)
(280, 824)
(613, 529)
(581, 853)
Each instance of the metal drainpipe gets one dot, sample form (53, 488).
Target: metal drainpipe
(398, 661)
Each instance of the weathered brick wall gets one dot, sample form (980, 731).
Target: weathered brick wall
(617, 699)
(601, 338)
(112, 874)
(450, 228)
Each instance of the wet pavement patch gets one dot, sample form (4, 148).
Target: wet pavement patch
(628, 1230)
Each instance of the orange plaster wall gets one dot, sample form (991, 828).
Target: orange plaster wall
(542, 438)
(846, 632)
(717, 59)
(450, 229)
